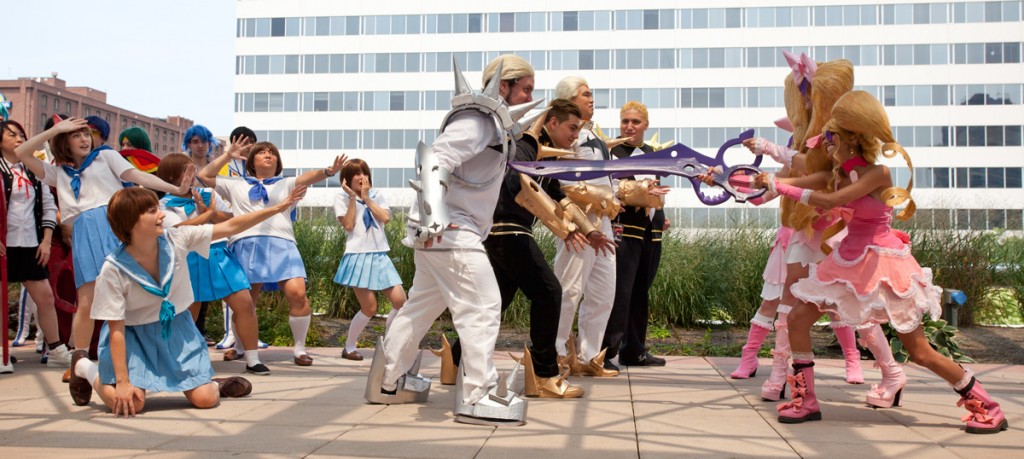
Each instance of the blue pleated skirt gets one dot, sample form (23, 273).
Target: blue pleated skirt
(176, 364)
(91, 241)
(268, 259)
(215, 277)
(372, 270)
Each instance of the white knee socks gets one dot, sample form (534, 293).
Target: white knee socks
(300, 326)
(355, 329)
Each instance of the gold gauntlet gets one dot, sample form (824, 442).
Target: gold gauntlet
(578, 217)
(537, 202)
(638, 193)
(596, 199)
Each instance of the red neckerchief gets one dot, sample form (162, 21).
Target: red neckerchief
(856, 161)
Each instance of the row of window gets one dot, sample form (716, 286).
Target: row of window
(169, 138)
(630, 59)
(401, 139)
(924, 177)
(893, 96)
(664, 19)
(737, 217)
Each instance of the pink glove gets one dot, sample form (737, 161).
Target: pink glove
(793, 192)
(744, 184)
(780, 154)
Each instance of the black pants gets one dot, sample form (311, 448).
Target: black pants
(636, 265)
(520, 265)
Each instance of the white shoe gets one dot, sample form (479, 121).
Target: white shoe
(59, 357)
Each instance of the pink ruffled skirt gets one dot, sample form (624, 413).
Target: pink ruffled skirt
(775, 269)
(882, 285)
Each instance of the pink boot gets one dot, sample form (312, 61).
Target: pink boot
(888, 392)
(985, 416)
(804, 406)
(774, 388)
(748, 359)
(848, 341)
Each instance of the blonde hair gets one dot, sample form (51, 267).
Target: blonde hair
(634, 105)
(569, 87)
(860, 118)
(831, 81)
(513, 68)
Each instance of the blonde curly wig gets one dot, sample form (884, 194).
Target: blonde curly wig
(859, 117)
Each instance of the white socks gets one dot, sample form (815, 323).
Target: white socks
(803, 356)
(355, 328)
(252, 358)
(300, 326)
(88, 370)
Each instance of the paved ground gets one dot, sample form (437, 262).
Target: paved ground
(688, 408)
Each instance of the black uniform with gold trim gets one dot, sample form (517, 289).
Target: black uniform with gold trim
(636, 261)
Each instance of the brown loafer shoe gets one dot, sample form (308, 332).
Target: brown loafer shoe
(354, 355)
(231, 354)
(66, 378)
(81, 390)
(234, 386)
(304, 360)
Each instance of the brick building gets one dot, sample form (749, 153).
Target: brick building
(34, 100)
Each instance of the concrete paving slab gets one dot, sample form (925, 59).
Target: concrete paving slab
(689, 408)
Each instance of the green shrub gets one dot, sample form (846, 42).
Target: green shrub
(941, 336)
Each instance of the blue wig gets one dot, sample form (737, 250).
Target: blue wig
(203, 133)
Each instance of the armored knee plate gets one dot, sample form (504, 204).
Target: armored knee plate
(501, 407)
(412, 388)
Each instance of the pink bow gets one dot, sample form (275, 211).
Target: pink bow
(813, 141)
(903, 237)
(976, 408)
(804, 69)
(785, 124)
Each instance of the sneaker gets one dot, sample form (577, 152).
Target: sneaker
(261, 344)
(59, 357)
(608, 365)
(643, 360)
(258, 369)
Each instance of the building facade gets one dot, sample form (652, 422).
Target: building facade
(318, 77)
(35, 100)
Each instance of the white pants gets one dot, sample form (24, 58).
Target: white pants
(591, 276)
(463, 281)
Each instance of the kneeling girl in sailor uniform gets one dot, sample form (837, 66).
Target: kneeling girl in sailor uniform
(86, 176)
(218, 276)
(365, 266)
(149, 342)
(267, 252)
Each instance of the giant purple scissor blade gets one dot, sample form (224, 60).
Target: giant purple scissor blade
(676, 160)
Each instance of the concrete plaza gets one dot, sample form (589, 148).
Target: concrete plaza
(689, 408)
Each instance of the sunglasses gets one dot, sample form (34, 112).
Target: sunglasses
(829, 135)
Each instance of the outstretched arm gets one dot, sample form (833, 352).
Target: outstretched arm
(238, 149)
(154, 183)
(245, 221)
(312, 177)
(877, 178)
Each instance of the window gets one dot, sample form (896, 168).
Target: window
(277, 27)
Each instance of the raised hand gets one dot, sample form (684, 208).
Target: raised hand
(347, 189)
(239, 148)
(70, 125)
(186, 180)
(336, 166)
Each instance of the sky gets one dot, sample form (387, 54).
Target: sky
(156, 58)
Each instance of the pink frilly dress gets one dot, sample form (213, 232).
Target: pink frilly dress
(871, 277)
(775, 269)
